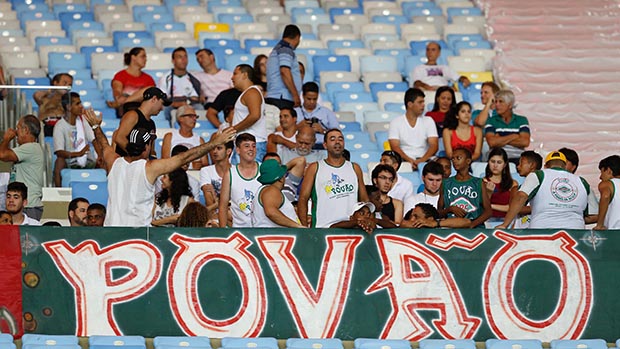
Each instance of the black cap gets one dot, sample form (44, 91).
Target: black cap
(138, 139)
(155, 92)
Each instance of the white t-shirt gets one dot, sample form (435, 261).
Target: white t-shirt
(434, 75)
(413, 140)
(181, 86)
(402, 189)
(66, 138)
(208, 175)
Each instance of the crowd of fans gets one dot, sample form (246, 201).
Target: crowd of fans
(262, 169)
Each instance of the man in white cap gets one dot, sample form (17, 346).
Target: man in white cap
(271, 209)
(559, 199)
(131, 178)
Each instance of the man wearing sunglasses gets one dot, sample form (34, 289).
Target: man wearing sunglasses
(186, 118)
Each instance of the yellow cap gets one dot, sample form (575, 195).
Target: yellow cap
(555, 155)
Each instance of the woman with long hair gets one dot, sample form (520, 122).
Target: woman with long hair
(129, 83)
(445, 99)
(174, 196)
(458, 133)
(498, 181)
(260, 71)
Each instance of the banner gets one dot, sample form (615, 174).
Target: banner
(10, 281)
(399, 283)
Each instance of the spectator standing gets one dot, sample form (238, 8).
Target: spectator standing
(16, 200)
(609, 208)
(211, 176)
(559, 199)
(507, 129)
(72, 136)
(225, 103)
(249, 108)
(49, 102)
(414, 136)
(283, 75)
(240, 184)
(335, 184)
(128, 85)
(458, 133)
(431, 76)
(184, 135)
(572, 163)
(213, 80)
(181, 86)
(28, 161)
(77, 212)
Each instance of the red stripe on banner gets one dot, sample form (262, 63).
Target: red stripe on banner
(10, 281)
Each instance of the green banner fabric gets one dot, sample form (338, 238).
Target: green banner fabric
(409, 284)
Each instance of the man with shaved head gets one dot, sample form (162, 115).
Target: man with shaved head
(431, 76)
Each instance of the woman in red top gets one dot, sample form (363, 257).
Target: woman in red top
(498, 181)
(458, 133)
(129, 84)
(444, 101)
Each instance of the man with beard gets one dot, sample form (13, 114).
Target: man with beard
(432, 175)
(304, 142)
(78, 212)
(16, 200)
(336, 185)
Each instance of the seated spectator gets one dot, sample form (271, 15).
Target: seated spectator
(194, 215)
(50, 106)
(211, 176)
(414, 136)
(186, 118)
(432, 177)
(249, 114)
(169, 203)
(361, 217)
(446, 164)
(488, 90)
(463, 195)
(374, 196)
(128, 85)
(52, 224)
(224, 102)
(609, 208)
(559, 199)
(305, 141)
(260, 71)
(572, 163)
(285, 137)
(182, 87)
(498, 182)
(431, 76)
(401, 187)
(271, 208)
(240, 184)
(95, 215)
(6, 218)
(213, 80)
(28, 162)
(153, 101)
(16, 200)
(458, 133)
(77, 212)
(313, 114)
(425, 215)
(529, 162)
(382, 178)
(444, 101)
(507, 129)
(72, 136)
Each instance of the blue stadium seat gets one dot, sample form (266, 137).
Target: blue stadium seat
(232, 61)
(6, 338)
(313, 343)
(509, 344)
(462, 11)
(151, 18)
(121, 34)
(226, 43)
(173, 342)
(370, 64)
(441, 343)
(167, 27)
(351, 97)
(460, 45)
(32, 81)
(330, 63)
(221, 53)
(82, 175)
(27, 6)
(334, 44)
(95, 192)
(94, 3)
(105, 342)
(171, 4)
(397, 20)
(395, 107)
(234, 18)
(421, 11)
(339, 11)
(300, 11)
(358, 109)
(452, 39)
(342, 86)
(578, 344)
(363, 157)
(64, 61)
(35, 16)
(125, 43)
(251, 43)
(380, 138)
(371, 343)
(89, 84)
(30, 339)
(87, 51)
(355, 141)
(350, 126)
(82, 74)
(400, 55)
(58, 8)
(414, 178)
(51, 40)
(243, 343)
(84, 25)
(68, 18)
(380, 116)
(138, 10)
(376, 87)
(212, 4)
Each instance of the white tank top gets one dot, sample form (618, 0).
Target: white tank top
(334, 194)
(242, 193)
(258, 129)
(260, 219)
(559, 202)
(130, 195)
(612, 219)
(189, 142)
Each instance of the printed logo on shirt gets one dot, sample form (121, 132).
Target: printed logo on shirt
(337, 186)
(563, 190)
(246, 203)
(464, 204)
(434, 72)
